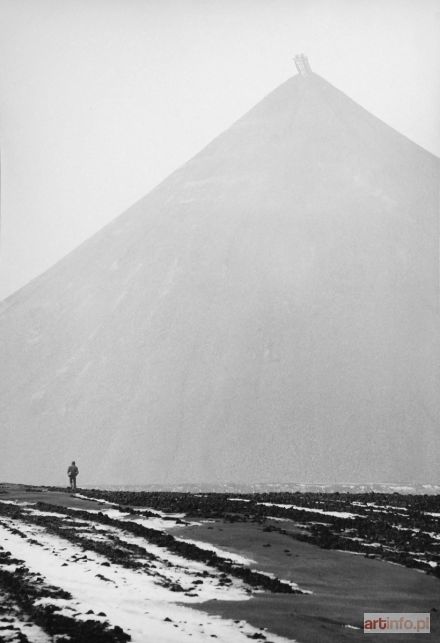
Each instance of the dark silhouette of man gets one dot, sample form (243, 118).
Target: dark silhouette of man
(72, 472)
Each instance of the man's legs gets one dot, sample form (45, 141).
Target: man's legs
(74, 483)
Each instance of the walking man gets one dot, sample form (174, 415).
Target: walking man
(72, 472)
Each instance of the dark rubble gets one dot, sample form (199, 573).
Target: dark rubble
(394, 527)
(21, 588)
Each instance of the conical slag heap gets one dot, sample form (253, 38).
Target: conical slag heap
(268, 313)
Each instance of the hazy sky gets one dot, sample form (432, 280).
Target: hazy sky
(101, 99)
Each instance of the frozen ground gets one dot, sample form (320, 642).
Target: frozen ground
(152, 595)
(108, 567)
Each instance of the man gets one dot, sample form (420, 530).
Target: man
(72, 472)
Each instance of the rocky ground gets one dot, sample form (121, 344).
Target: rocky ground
(164, 567)
(404, 529)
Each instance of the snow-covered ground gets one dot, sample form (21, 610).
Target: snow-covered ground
(135, 599)
(337, 514)
(12, 622)
(160, 521)
(222, 553)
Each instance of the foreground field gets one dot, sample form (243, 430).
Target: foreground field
(164, 567)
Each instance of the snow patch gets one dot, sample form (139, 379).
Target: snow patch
(131, 599)
(336, 514)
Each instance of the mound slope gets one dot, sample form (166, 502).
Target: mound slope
(269, 312)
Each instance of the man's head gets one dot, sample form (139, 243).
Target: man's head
(73, 462)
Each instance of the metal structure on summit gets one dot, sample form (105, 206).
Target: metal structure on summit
(302, 64)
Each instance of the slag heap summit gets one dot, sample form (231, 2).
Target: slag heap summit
(267, 313)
